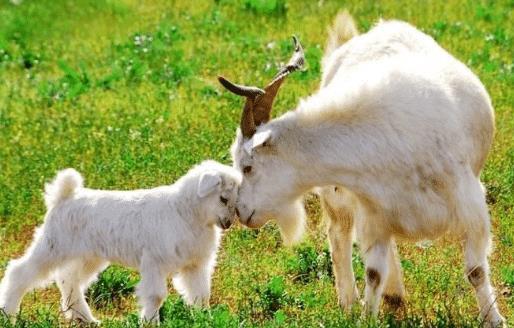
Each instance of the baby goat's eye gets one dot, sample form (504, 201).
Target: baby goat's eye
(223, 200)
(247, 169)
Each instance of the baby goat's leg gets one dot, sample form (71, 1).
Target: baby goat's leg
(73, 280)
(194, 283)
(394, 290)
(25, 273)
(151, 290)
(340, 233)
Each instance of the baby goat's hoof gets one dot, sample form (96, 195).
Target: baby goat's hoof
(10, 318)
(87, 322)
(154, 321)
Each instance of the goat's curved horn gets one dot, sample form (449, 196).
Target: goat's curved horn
(240, 90)
(247, 121)
(247, 124)
(295, 63)
(264, 104)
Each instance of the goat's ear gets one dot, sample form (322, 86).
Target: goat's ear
(209, 182)
(260, 139)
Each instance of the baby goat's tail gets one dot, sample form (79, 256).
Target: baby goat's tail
(62, 187)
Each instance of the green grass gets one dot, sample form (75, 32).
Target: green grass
(126, 93)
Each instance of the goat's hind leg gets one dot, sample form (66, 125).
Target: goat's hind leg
(477, 273)
(375, 255)
(73, 280)
(394, 290)
(477, 244)
(26, 273)
(339, 207)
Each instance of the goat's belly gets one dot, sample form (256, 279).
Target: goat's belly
(419, 229)
(419, 221)
(421, 215)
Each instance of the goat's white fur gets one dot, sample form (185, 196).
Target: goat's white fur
(172, 229)
(403, 129)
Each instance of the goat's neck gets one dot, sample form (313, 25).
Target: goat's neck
(186, 201)
(321, 155)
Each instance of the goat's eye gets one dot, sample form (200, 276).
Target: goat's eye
(247, 169)
(223, 200)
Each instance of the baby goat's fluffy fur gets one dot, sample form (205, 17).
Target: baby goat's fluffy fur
(167, 230)
(400, 131)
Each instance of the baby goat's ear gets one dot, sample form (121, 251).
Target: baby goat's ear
(209, 181)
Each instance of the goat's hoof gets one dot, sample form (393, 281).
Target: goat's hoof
(497, 322)
(85, 321)
(393, 302)
(347, 300)
(345, 305)
(150, 322)
(10, 317)
(95, 322)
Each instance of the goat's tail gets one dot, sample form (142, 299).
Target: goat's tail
(342, 30)
(62, 187)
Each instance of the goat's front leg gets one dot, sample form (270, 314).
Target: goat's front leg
(340, 232)
(151, 290)
(194, 283)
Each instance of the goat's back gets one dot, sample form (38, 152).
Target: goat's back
(401, 63)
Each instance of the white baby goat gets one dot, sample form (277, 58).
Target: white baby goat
(402, 128)
(167, 230)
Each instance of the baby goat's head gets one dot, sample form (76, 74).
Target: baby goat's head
(267, 177)
(217, 189)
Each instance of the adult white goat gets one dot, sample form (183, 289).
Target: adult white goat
(398, 131)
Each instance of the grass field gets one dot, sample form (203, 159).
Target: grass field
(126, 93)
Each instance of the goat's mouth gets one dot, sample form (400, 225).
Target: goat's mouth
(224, 224)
